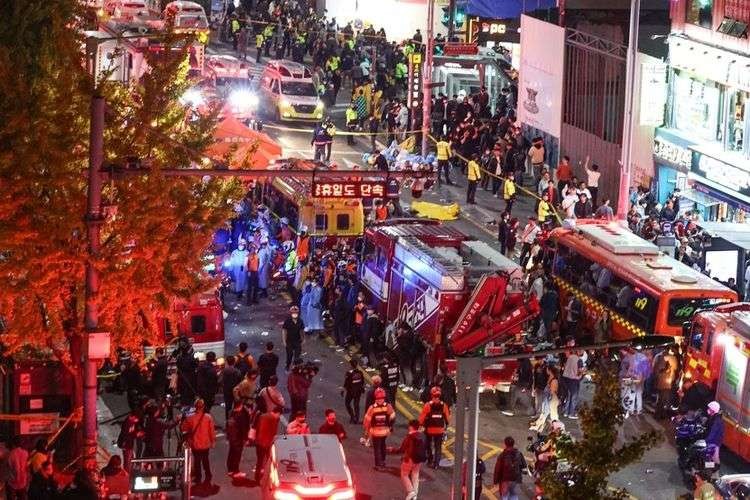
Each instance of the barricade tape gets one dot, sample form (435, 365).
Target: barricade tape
(338, 132)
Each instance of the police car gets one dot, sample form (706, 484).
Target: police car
(305, 467)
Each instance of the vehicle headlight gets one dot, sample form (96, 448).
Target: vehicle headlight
(243, 99)
(320, 106)
(285, 103)
(192, 98)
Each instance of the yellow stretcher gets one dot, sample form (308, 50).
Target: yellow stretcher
(435, 211)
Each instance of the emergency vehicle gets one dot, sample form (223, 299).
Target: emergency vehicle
(226, 82)
(186, 16)
(447, 288)
(289, 92)
(200, 319)
(311, 466)
(718, 354)
(607, 267)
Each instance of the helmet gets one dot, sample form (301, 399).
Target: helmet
(303, 229)
(557, 425)
(435, 391)
(714, 407)
(379, 393)
(288, 246)
(294, 309)
(284, 220)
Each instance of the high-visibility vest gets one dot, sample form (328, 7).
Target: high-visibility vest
(443, 150)
(303, 247)
(351, 115)
(381, 212)
(252, 262)
(473, 172)
(542, 211)
(509, 189)
(259, 40)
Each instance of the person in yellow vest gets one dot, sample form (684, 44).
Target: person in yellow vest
(351, 123)
(377, 423)
(473, 174)
(543, 209)
(509, 192)
(235, 28)
(258, 45)
(267, 35)
(253, 262)
(443, 160)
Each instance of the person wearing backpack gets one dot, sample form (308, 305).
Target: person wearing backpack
(238, 426)
(245, 361)
(509, 470)
(270, 396)
(435, 417)
(354, 386)
(414, 453)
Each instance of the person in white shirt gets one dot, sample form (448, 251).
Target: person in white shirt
(583, 189)
(569, 202)
(528, 235)
(592, 179)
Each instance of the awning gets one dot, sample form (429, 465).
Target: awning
(699, 198)
(506, 9)
(239, 143)
(733, 232)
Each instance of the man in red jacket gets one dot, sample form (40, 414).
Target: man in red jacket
(266, 428)
(201, 437)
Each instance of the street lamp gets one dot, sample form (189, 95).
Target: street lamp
(468, 375)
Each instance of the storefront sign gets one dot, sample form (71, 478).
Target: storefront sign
(452, 49)
(348, 189)
(483, 30)
(414, 83)
(38, 423)
(729, 176)
(653, 93)
(672, 153)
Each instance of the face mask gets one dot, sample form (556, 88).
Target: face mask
(295, 316)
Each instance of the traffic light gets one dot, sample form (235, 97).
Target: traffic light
(459, 19)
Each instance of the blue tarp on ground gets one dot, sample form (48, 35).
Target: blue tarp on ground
(505, 9)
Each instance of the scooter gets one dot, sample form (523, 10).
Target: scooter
(693, 453)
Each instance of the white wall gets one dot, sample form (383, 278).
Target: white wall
(399, 18)
(643, 135)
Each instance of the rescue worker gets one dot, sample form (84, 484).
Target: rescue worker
(303, 244)
(443, 160)
(390, 374)
(258, 46)
(473, 174)
(381, 210)
(354, 386)
(434, 417)
(267, 36)
(235, 27)
(377, 424)
(509, 192)
(319, 141)
(543, 208)
(351, 123)
(253, 263)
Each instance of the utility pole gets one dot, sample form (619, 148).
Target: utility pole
(427, 77)
(451, 20)
(623, 198)
(93, 223)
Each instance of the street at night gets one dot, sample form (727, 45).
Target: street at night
(348, 249)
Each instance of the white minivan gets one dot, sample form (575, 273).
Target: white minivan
(288, 93)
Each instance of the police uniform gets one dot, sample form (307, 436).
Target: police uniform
(354, 386)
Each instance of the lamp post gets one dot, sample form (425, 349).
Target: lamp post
(427, 77)
(623, 199)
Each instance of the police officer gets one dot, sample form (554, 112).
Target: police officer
(319, 141)
(377, 424)
(434, 417)
(390, 374)
(354, 386)
(351, 123)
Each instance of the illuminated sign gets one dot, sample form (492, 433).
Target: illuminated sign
(722, 173)
(414, 85)
(348, 189)
(672, 153)
(460, 49)
(653, 93)
(482, 30)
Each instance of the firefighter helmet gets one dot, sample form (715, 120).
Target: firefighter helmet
(379, 393)
(435, 391)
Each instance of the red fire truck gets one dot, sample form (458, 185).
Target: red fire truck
(422, 273)
(718, 354)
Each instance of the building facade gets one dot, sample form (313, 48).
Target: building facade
(701, 147)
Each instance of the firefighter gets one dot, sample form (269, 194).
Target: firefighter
(378, 422)
(303, 244)
(351, 123)
(390, 374)
(434, 417)
(354, 386)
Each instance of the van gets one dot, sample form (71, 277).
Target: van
(126, 9)
(186, 15)
(289, 93)
(306, 467)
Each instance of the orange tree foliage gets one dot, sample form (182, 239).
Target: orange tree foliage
(153, 246)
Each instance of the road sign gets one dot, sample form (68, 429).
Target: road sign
(348, 189)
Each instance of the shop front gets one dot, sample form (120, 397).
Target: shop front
(497, 36)
(702, 150)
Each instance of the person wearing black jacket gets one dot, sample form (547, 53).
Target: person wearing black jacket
(207, 380)
(354, 386)
(521, 388)
(154, 428)
(268, 362)
(372, 331)
(43, 485)
(159, 380)
(503, 232)
(414, 451)
(230, 377)
(341, 317)
(238, 425)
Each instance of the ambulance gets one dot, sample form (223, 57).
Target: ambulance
(311, 466)
(232, 83)
(718, 354)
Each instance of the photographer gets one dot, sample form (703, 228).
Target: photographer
(154, 429)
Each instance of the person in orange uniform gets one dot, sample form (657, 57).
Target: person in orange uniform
(285, 232)
(435, 417)
(564, 174)
(377, 423)
(381, 210)
(253, 262)
(303, 244)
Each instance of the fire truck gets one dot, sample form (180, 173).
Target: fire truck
(458, 295)
(718, 354)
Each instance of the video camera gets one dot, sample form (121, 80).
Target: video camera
(307, 369)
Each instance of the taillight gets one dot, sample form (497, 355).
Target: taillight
(285, 495)
(347, 494)
(314, 490)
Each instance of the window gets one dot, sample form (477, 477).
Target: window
(321, 222)
(681, 310)
(306, 89)
(696, 336)
(697, 107)
(275, 86)
(736, 125)
(700, 12)
(198, 324)
(382, 260)
(342, 222)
